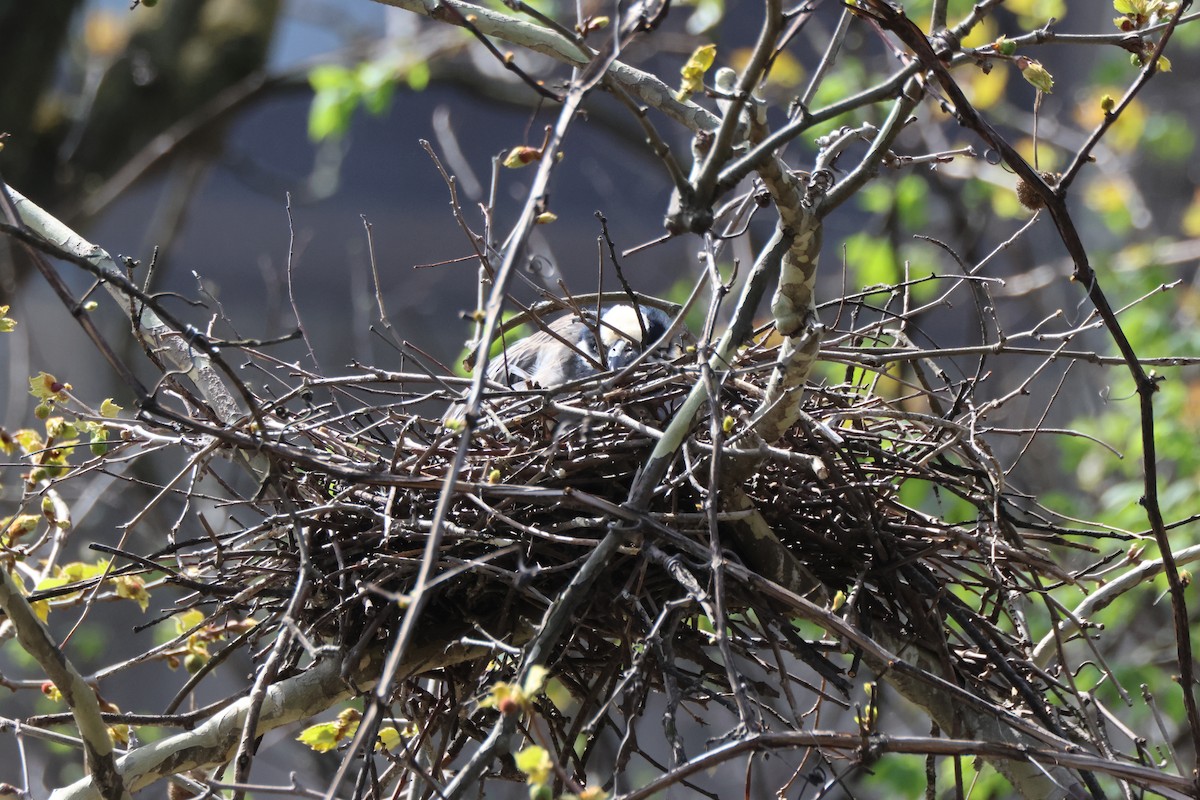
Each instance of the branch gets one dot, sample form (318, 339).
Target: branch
(536, 202)
(853, 745)
(174, 338)
(793, 305)
(291, 700)
(642, 85)
(721, 148)
(79, 696)
(1054, 198)
(1105, 595)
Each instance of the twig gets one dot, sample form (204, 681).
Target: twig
(853, 745)
(269, 671)
(419, 597)
(1055, 200)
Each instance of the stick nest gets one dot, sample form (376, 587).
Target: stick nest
(862, 494)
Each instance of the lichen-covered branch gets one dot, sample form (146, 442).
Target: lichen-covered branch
(79, 696)
(172, 340)
(645, 87)
(297, 698)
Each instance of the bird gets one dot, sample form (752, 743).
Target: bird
(572, 348)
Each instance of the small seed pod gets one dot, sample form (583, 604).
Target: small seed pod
(1029, 197)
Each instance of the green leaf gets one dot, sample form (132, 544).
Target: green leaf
(331, 77)
(418, 76)
(330, 115)
(336, 95)
(98, 444)
(873, 261)
(376, 81)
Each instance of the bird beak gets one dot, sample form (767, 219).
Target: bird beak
(622, 354)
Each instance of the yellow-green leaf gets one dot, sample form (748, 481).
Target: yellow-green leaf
(521, 156)
(1036, 74)
(347, 720)
(186, 620)
(109, 409)
(18, 526)
(59, 428)
(56, 511)
(692, 73)
(325, 736)
(1190, 224)
(131, 587)
(45, 386)
(119, 734)
(321, 737)
(535, 680)
(336, 94)
(417, 76)
(535, 762)
(389, 739)
(593, 24)
(41, 609)
(505, 698)
(80, 571)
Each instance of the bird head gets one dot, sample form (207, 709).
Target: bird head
(625, 334)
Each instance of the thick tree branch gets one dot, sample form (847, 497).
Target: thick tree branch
(645, 87)
(79, 696)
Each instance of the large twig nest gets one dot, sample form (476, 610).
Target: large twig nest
(545, 477)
